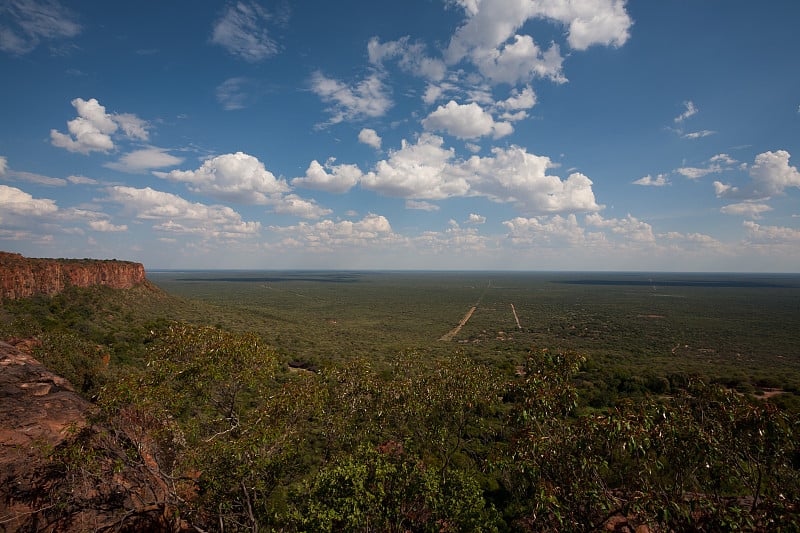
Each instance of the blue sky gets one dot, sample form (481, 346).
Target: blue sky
(424, 134)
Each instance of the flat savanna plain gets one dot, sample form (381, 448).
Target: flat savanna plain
(636, 329)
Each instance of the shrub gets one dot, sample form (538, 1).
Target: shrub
(386, 489)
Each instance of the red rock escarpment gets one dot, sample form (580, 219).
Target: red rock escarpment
(21, 277)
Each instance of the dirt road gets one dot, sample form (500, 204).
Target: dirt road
(513, 310)
(449, 336)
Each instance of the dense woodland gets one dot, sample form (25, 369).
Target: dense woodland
(254, 426)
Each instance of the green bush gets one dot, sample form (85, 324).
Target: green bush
(72, 356)
(386, 489)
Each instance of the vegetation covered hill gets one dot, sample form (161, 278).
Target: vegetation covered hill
(403, 440)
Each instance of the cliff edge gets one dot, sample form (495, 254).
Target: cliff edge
(22, 277)
(42, 418)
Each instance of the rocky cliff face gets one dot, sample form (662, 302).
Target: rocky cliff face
(21, 277)
(42, 422)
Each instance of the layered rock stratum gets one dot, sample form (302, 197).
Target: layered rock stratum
(23, 277)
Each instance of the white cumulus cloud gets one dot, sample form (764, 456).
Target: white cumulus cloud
(428, 171)
(489, 24)
(725, 190)
(92, 129)
(292, 204)
(519, 100)
(545, 231)
(327, 235)
(474, 218)
(513, 175)
(630, 228)
(519, 61)
(17, 202)
(490, 39)
(771, 174)
(330, 177)
(237, 177)
(467, 121)
(369, 137)
(418, 171)
(172, 214)
(592, 22)
(243, 179)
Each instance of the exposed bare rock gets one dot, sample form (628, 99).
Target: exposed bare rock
(21, 277)
(42, 421)
(38, 407)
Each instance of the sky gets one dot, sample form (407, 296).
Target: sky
(423, 134)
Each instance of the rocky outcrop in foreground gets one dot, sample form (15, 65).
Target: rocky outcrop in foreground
(43, 422)
(21, 277)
